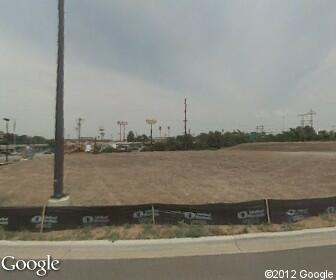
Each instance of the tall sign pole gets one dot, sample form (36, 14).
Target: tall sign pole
(59, 124)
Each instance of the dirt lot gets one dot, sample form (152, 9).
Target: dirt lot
(176, 177)
(288, 147)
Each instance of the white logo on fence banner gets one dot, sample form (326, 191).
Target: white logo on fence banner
(96, 219)
(297, 214)
(4, 221)
(47, 220)
(146, 213)
(191, 215)
(251, 214)
(331, 210)
(197, 216)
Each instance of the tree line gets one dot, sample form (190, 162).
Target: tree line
(23, 139)
(218, 139)
(203, 141)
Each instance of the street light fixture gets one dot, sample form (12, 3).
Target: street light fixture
(151, 122)
(7, 137)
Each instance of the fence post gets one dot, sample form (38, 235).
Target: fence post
(269, 221)
(43, 216)
(153, 215)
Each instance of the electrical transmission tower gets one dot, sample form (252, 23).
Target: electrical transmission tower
(78, 128)
(122, 130)
(260, 128)
(307, 119)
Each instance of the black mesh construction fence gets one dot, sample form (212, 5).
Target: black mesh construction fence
(288, 211)
(251, 212)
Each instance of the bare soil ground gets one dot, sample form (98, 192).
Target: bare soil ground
(288, 147)
(176, 177)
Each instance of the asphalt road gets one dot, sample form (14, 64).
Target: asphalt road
(249, 266)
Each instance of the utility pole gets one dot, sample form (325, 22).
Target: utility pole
(168, 131)
(59, 124)
(7, 137)
(185, 123)
(79, 127)
(160, 130)
(185, 117)
(14, 135)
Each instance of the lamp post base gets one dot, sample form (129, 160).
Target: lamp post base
(59, 202)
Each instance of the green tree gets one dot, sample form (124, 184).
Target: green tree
(130, 136)
(142, 138)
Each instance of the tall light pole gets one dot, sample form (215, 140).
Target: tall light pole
(151, 122)
(7, 137)
(168, 128)
(59, 124)
(122, 134)
(102, 132)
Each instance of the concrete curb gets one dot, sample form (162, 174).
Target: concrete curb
(133, 249)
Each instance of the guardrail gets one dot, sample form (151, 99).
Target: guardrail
(251, 212)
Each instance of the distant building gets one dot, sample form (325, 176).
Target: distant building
(2, 135)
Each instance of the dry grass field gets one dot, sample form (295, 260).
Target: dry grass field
(149, 231)
(241, 173)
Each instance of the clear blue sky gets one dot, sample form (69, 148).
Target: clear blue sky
(239, 63)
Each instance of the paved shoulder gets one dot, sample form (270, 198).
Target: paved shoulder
(250, 266)
(247, 243)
